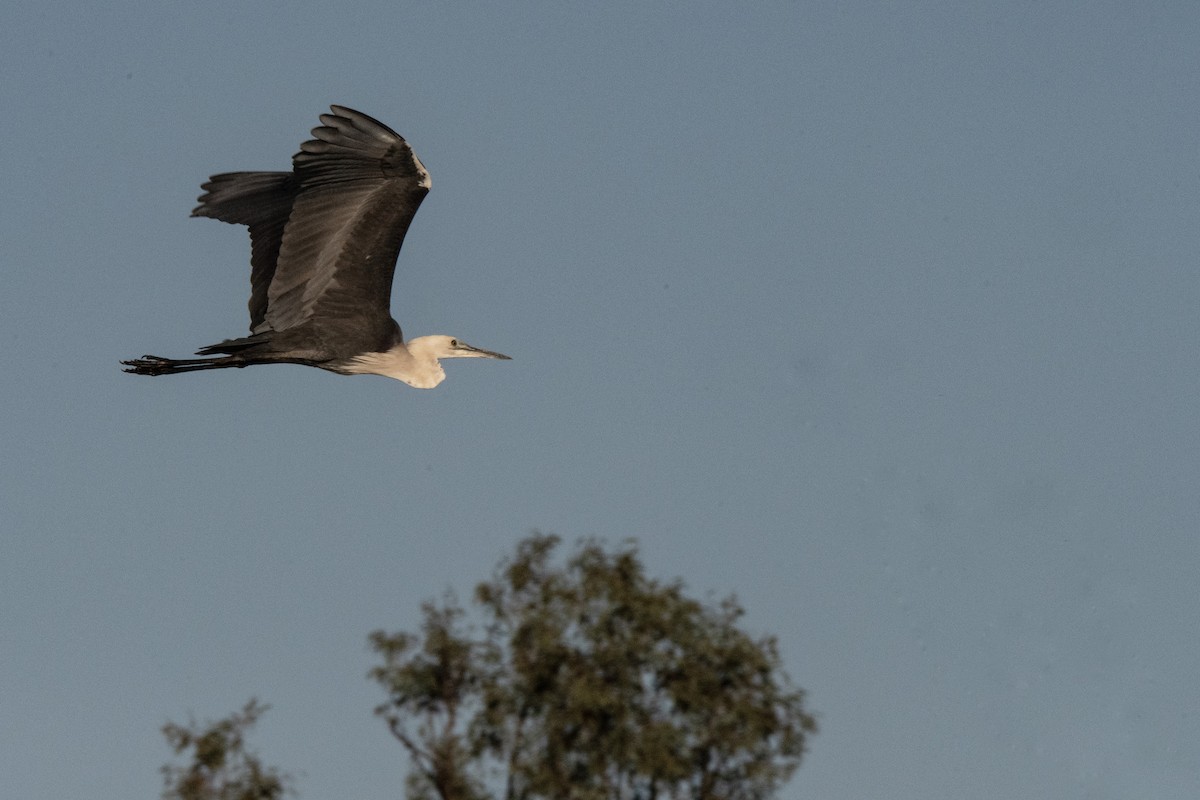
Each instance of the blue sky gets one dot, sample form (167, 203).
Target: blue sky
(880, 315)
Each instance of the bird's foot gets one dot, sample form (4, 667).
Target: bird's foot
(148, 365)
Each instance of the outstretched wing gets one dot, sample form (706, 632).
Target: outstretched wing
(262, 201)
(358, 185)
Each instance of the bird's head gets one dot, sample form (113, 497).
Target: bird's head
(439, 347)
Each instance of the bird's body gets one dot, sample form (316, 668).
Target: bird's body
(324, 241)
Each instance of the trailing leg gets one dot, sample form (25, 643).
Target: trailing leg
(157, 365)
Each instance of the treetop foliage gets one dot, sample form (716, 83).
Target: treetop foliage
(221, 767)
(589, 681)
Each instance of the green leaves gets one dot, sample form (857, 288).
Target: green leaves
(589, 680)
(221, 768)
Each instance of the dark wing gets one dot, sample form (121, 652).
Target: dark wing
(262, 201)
(359, 185)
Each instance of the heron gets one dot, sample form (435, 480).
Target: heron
(324, 239)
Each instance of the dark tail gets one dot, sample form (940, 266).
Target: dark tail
(157, 365)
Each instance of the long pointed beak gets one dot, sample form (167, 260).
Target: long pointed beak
(476, 352)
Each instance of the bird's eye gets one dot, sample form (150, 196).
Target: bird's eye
(454, 342)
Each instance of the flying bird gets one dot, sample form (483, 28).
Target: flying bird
(323, 245)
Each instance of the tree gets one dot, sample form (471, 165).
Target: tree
(589, 681)
(221, 768)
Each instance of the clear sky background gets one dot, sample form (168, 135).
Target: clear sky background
(881, 315)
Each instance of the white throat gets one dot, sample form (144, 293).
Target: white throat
(411, 363)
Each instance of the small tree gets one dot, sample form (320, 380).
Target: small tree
(589, 681)
(221, 768)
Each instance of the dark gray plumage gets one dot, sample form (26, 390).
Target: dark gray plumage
(324, 243)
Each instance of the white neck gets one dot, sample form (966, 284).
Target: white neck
(412, 363)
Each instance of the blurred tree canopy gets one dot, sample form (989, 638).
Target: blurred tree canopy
(221, 767)
(588, 681)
